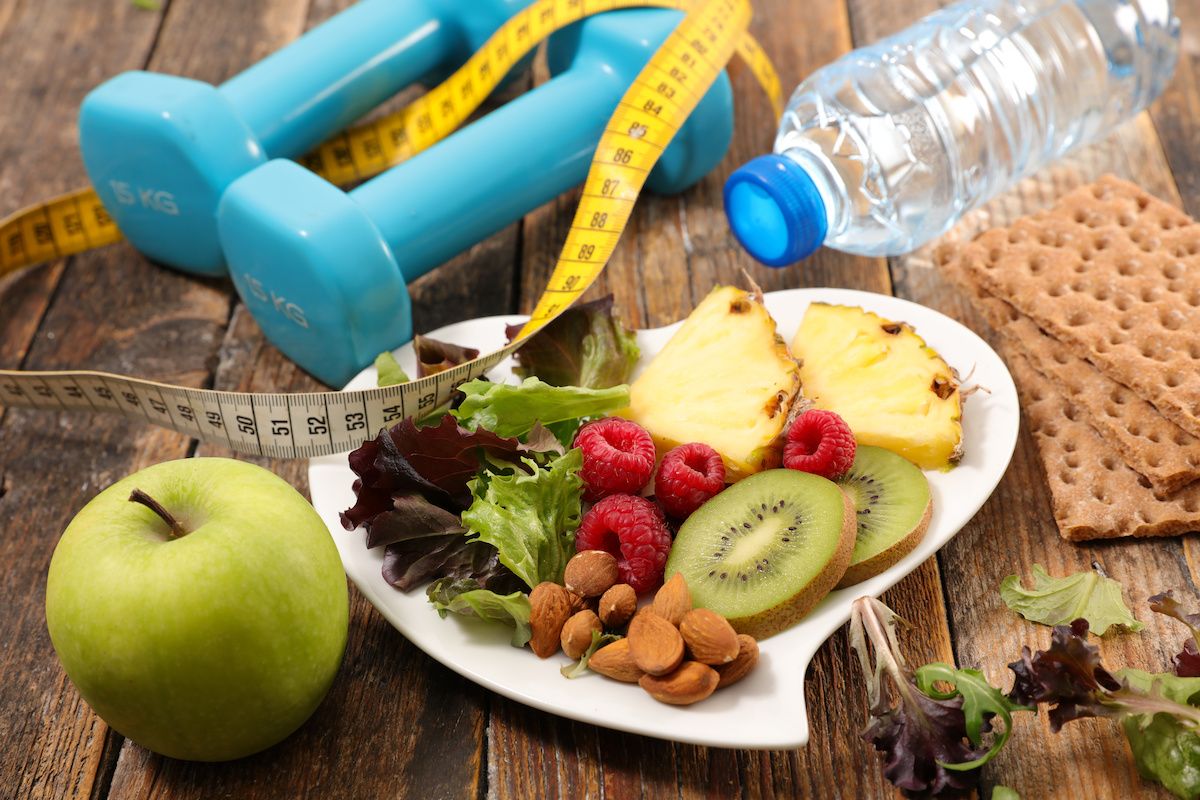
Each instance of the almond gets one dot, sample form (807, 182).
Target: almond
(691, 683)
(591, 573)
(655, 643)
(576, 634)
(549, 609)
(615, 661)
(673, 600)
(709, 636)
(737, 669)
(578, 602)
(618, 605)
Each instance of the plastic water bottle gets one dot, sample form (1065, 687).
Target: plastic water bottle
(885, 148)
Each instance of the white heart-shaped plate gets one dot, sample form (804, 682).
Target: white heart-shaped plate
(766, 710)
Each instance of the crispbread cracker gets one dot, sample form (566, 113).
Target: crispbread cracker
(1093, 493)
(1167, 455)
(1114, 274)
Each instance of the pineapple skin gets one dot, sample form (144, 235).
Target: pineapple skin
(893, 389)
(726, 379)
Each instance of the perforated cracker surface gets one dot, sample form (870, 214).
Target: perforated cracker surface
(1114, 274)
(1167, 455)
(1093, 493)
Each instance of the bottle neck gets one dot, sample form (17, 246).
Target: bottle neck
(829, 184)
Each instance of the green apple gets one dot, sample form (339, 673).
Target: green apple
(200, 608)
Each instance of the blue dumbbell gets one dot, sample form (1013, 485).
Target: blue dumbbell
(325, 272)
(160, 150)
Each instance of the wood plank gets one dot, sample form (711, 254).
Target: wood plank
(1177, 113)
(1176, 117)
(169, 326)
(675, 242)
(53, 54)
(1015, 529)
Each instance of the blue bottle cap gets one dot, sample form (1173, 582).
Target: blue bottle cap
(775, 210)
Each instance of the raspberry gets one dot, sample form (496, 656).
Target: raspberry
(688, 477)
(618, 457)
(819, 442)
(634, 531)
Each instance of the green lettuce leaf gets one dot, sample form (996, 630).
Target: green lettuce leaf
(1165, 748)
(580, 667)
(982, 703)
(389, 370)
(1059, 601)
(530, 518)
(565, 431)
(584, 346)
(458, 597)
(1004, 793)
(509, 410)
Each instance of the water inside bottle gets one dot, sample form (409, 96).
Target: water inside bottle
(904, 136)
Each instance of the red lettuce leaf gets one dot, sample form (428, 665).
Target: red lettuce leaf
(411, 563)
(920, 735)
(1067, 675)
(434, 356)
(435, 462)
(1187, 660)
(411, 517)
(412, 487)
(585, 346)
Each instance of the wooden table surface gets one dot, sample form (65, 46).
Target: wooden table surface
(396, 723)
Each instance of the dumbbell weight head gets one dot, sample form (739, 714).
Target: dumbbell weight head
(176, 144)
(314, 271)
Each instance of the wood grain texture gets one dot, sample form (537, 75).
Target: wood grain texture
(1176, 115)
(674, 251)
(396, 724)
(111, 310)
(1015, 529)
(53, 54)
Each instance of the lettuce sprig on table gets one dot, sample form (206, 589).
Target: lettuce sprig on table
(937, 725)
(1086, 595)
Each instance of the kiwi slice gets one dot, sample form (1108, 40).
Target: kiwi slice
(763, 552)
(893, 504)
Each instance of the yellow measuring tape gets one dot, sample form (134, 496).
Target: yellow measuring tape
(652, 111)
(77, 221)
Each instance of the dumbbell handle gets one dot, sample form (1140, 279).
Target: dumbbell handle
(517, 158)
(342, 69)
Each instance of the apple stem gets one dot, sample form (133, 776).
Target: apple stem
(138, 496)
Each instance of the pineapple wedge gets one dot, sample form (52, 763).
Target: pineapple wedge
(893, 390)
(725, 378)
